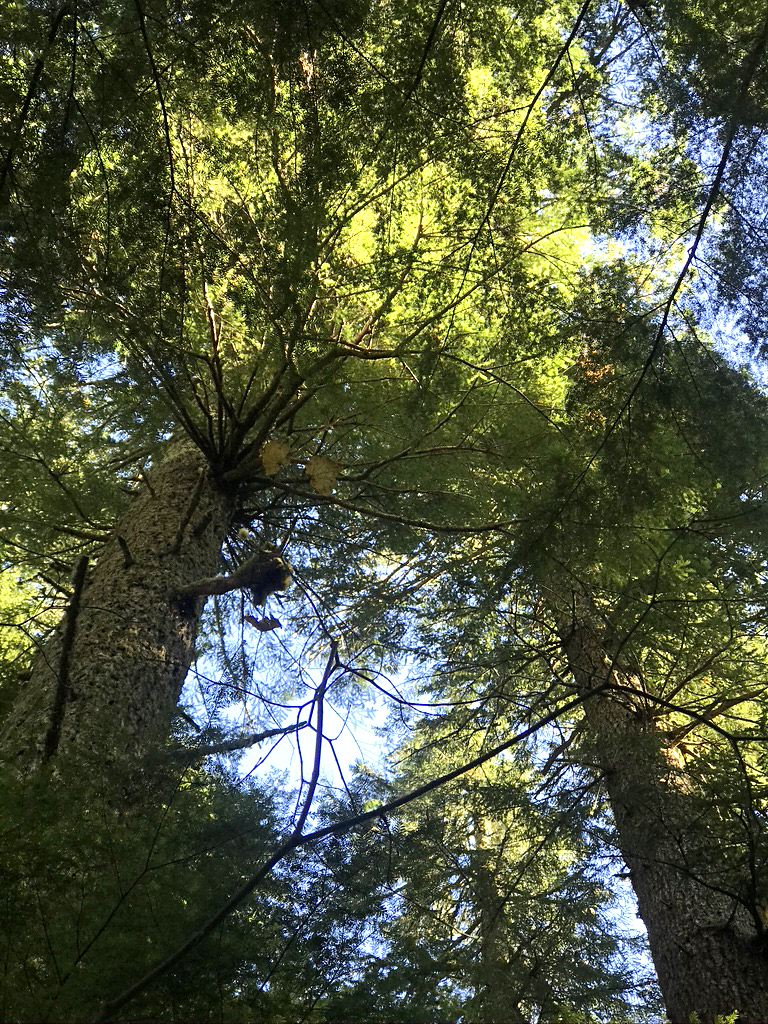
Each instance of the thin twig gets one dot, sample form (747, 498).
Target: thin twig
(296, 840)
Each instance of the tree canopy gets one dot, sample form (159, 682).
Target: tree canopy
(400, 355)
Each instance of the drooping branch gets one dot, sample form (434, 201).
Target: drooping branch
(501, 526)
(751, 67)
(297, 840)
(228, 746)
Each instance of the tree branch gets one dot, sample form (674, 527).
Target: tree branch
(227, 746)
(62, 684)
(38, 70)
(296, 840)
(265, 574)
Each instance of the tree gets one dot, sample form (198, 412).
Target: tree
(380, 292)
(496, 902)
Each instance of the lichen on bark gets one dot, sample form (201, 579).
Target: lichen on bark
(134, 636)
(709, 958)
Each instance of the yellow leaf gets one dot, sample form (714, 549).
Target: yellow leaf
(273, 455)
(322, 473)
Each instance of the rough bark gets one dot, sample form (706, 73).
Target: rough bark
(105, 687)
(705, 946)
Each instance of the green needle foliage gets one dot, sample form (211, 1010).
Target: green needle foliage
(419, 325)
(497, 905)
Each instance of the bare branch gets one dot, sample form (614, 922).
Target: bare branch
(228, 746)
(297, 840)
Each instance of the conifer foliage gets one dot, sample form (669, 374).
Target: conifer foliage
(392, 355)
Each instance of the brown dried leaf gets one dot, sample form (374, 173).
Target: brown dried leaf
(274, 455)
(322, 473)
(263, 625)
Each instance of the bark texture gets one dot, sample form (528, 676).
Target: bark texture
(105, 687)
(705, 945)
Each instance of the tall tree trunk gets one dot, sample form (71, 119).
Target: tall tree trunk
(705, 945)
(496, 1000)
(105, 687)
